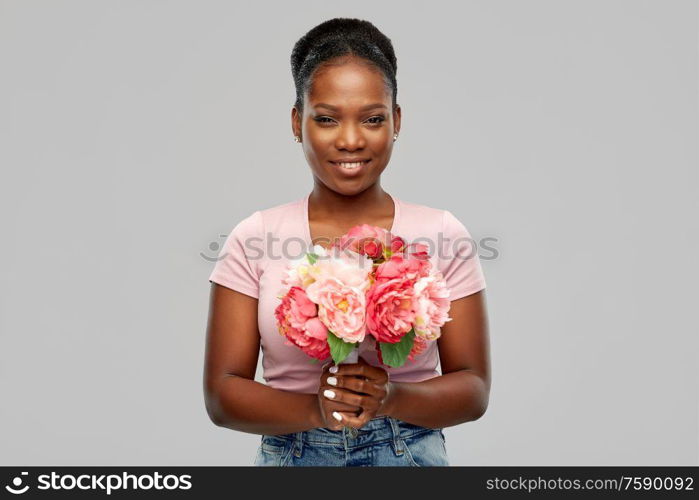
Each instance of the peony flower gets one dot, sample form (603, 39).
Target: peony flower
(397, 245)
(366, 240)
(339, 289)
(418, 251)
(297, 319)
(398, 266)
(341, 308)
(431, 306)
(351, 268)
(390, 309)
(419, 345)
(298, 271)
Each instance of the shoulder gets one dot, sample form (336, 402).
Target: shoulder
(412, 214)
(254, 223)
(283, 208)
(435, 218)
(454, 251)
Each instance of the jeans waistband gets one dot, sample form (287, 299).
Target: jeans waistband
(378, 429)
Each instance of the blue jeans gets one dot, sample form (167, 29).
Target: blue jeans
(383, 441)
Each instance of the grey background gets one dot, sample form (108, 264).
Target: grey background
(134, 133)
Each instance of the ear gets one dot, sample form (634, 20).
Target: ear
(396, 119)
(295, 122)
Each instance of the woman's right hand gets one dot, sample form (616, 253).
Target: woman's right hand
(328, 406)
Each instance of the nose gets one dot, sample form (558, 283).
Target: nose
(350, 137)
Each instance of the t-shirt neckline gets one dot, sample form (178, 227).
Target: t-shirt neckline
(307, 226)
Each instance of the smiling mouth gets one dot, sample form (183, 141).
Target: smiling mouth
(350, 165)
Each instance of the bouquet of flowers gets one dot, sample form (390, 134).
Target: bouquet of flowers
(369, 282)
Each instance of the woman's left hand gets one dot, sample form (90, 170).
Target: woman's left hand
(364, 385)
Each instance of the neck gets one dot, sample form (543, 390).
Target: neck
(328, 203)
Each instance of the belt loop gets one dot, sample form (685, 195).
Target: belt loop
(397, 441)
(298, 444)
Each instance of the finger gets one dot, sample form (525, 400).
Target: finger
(331, 422)
(360, 386)
(345, 396)
(331, 406)
(344, 418)
(365, 416)
(357, 384)
(359, 401)
(362, 370)
(355, 421)
(326, 375)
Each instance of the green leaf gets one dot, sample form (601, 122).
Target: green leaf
(312, 257)
(339, 349)
(395, 354)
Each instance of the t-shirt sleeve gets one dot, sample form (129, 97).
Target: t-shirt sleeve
(238, 262)
(459, 261)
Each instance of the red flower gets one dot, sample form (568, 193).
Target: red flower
(297, 319)
(366, 240)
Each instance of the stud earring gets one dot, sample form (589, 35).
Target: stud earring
(395, 137)
(297, 138)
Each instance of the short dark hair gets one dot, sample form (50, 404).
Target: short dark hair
(342, 37)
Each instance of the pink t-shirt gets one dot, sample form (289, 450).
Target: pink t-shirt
(258, 249)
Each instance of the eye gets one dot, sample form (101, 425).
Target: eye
(379, 119)
(374, 120)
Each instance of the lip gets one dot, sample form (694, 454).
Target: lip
(350, 173)
(349, 160)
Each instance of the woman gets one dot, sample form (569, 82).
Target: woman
(364, 414)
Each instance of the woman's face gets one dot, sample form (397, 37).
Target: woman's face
(347, 116)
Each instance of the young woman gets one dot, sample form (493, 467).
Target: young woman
(346, 119)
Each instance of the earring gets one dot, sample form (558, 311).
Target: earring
(297, 138)
(395, 137)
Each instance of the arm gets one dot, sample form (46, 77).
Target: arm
(233, 398)
(461, 393)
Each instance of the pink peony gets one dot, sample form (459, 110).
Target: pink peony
(432, 305)
(341, 307)
(398, 266)
(350, 268)
(297, 320)
(418, 251)
(390, 309)
(419, 345)
(366, 240)
(397, 244)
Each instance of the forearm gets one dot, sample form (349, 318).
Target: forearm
(442, 401)
(246, 405)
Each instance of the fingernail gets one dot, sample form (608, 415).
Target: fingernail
(332, 381)
(333, 369)
(328, 393)
(337, 416)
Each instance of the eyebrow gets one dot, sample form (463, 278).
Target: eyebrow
(363, 108)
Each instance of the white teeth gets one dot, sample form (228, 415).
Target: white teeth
(351, 166)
